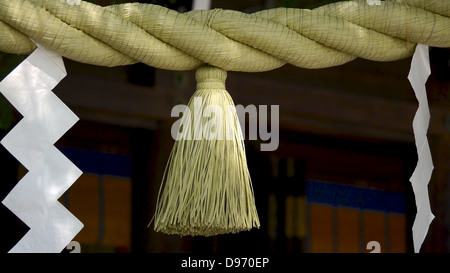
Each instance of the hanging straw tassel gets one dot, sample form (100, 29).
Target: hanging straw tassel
(208, 190)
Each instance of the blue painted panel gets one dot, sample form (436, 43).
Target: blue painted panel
(355, 197)
(98, 162)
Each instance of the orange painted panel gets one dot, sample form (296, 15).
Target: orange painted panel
(289, 214)
(300, 231)
(117, 198)
(374, 228)
(348, 234)
(272, 217)
(321, 228)
(84, 204)
(397, 233)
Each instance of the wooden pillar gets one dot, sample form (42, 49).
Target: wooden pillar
(150, 153)
(12, 228)
(439, 191)
(142, 146)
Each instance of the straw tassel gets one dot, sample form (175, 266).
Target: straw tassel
(207, 186)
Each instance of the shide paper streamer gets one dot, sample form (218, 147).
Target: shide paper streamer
(418, 75)
(45, 119)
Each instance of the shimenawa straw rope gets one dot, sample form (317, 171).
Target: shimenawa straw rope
(327, 36)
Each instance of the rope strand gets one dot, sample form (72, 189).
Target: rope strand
(327, 36)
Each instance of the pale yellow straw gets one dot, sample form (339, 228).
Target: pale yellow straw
(207, 187)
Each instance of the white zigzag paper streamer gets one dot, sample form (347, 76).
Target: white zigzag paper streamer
(418, 76)
(45, 119)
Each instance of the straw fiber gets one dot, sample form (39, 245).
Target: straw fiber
(327, 36)
(207, 188)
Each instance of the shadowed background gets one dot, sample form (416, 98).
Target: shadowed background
(338, 180)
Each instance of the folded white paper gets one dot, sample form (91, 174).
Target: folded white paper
(418, 76)
(45, 119)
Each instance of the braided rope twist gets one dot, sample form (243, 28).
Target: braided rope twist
(124, 34)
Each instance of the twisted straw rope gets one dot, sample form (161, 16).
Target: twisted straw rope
(123, 34)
